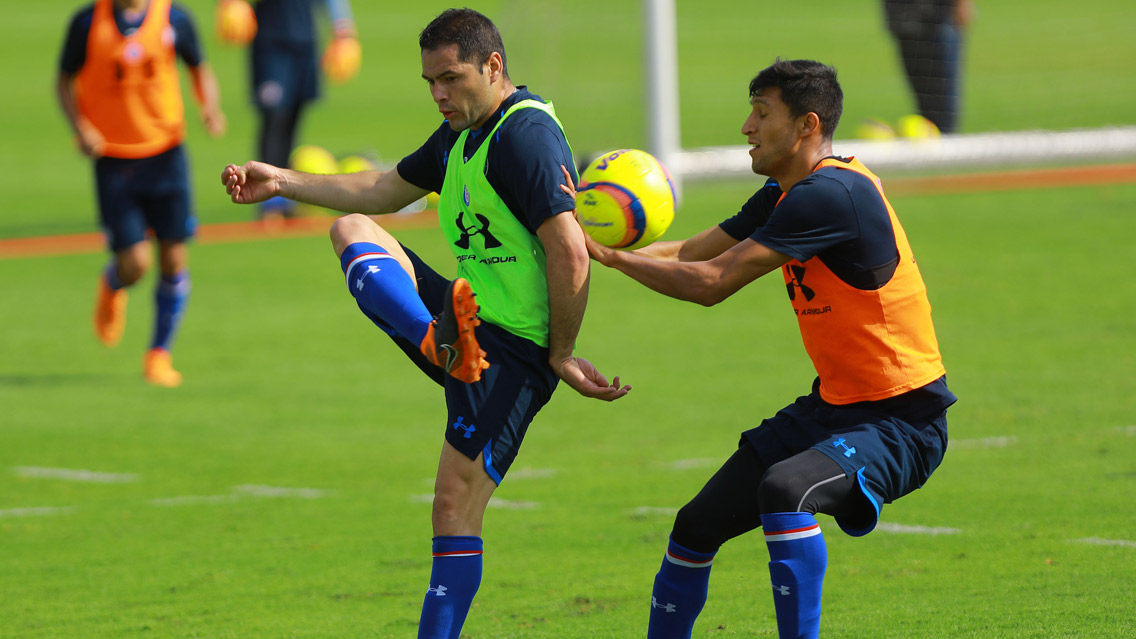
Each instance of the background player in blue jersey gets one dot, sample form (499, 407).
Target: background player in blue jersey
(118, 88)
(873, 428)
(284, 70)
(496, 161)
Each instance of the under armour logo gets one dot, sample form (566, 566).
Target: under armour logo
(469, 430)
(666, 608)
(797, 275)
(440, 591)
(848, 451)
(469, 231)
(370, 269)
(781, 590)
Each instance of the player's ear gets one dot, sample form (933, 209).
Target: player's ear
(495, 66)
(808, 124)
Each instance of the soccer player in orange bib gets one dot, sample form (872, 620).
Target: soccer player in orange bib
(873, 427)
(118, 86)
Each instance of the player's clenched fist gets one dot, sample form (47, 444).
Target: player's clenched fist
(253, 182)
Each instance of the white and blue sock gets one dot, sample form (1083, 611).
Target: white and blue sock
(454, 579)
(170, 297)
(679, 593)
(798, 559)
(384, 290)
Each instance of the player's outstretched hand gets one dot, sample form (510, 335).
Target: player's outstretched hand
(252, 182)
(579, 373)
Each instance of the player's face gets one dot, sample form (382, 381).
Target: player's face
(771, 132)
(463, 91)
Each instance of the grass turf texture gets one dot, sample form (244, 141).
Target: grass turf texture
(1029, 65)
(288, 387)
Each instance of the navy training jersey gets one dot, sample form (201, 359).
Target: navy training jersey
(75, 46)
(833, 214)
(294, 20)
(523, 165)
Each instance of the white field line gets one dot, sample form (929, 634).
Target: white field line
(699, 462)
(244, 491)
(532, 473)
(653, 511)
(494, 502)
(915, 530)
(186, 500)
(1127, 430)
(984, 442)
(255, 490)
(36, 512)
(1097, 541)
(74, 474)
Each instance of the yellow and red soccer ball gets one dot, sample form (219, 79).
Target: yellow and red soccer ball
(625, 199)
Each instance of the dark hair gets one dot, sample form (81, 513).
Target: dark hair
(476, 36)
(806, 86)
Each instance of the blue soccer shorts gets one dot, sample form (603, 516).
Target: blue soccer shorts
(890, 454)
(489, 417)
(146, 193)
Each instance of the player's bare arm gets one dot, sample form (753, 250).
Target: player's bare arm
(567, 267)
(88, 138)
(370, 192)
(207, 92)
(705, 282)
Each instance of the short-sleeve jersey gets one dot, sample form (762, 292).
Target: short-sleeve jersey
(523, 167)
(853, 282)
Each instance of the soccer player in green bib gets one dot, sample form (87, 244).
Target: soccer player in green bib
(498, 162)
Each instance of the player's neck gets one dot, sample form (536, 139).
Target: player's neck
(803, 164)
(131, 5)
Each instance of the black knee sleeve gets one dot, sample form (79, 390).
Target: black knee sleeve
(808, 482)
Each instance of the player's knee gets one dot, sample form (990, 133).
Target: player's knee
(349, 229)
(781, 489)
(132, 265)
(693, 529)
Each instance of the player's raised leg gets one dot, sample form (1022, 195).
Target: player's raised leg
(381, 278)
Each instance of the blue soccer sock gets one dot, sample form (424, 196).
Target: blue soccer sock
(454, 580)
(110, 274)
(798, 559)
(385, 292)
(170, 298)
(679, 593)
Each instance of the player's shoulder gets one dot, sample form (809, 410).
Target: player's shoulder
(180, 14)
(82, 16)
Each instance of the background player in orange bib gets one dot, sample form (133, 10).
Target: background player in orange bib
(119, 89)
(873, 427)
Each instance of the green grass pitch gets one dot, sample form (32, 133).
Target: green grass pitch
(283, 490)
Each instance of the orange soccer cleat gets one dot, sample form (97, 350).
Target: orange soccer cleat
(158, 368)
(110, 313)
(450, 341)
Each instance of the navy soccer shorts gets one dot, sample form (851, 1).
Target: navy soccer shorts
(284, 74)
(491, 416)
(890, 454)
(145, 193)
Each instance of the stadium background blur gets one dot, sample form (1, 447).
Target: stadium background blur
(274, 499)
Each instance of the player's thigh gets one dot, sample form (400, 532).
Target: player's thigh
(120, 213)
(165, 196)
(461, 492)
(491, 417)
